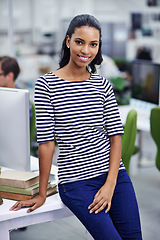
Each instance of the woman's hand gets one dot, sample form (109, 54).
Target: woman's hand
(102, 199)
(32, 203)
(45, 152)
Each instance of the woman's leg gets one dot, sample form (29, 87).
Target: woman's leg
(78, 196)
(124, 209)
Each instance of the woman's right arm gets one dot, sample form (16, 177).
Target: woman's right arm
(45, 152)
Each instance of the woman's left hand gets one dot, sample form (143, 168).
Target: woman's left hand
(102, 199)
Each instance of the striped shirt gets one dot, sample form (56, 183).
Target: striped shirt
(81, 115)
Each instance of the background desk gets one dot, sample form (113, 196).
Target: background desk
(143, 117)
(143, 125)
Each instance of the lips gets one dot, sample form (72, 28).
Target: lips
(84, 58)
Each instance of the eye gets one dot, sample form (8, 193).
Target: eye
(94, 44)
(79, 42)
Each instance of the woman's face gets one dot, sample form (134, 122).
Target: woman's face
(84, 45)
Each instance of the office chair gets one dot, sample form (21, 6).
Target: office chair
(129, 138)
(32, 125)
(155, 132)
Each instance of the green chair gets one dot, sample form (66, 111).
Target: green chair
(129, 138)
(155, 131)
(32, 125)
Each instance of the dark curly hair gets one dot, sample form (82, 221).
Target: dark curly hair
(77, 22)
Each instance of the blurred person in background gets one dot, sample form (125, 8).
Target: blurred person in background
(9, 71)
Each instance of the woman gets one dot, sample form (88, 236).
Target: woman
(78, 108)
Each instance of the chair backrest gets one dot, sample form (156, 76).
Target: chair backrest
(129, 137)
(32, 123)
(155, 131)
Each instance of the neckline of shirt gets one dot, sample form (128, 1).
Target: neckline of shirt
(70, 81)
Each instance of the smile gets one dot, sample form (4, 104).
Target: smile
(84, 58)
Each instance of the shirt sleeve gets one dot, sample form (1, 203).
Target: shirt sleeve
(45, 123)
(112, 118)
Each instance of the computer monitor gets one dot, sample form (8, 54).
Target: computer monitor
(14, 129)
(146, 81)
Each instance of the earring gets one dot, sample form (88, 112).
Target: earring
(67, 46)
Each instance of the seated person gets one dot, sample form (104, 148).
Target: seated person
(9, 71)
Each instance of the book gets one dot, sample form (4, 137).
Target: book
(15, 196)
(26, 191)
(19, 179)
(52, 190)
(22, 197)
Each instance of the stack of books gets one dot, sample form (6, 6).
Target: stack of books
(20, 185)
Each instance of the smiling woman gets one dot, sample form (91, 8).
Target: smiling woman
(84, 44)
(78, 108)
(84, 22)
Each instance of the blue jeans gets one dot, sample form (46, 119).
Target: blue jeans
(121, 222)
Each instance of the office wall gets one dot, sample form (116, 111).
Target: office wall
(39, 28)
(32, 19)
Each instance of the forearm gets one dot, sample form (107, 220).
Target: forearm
(115, 157)
(103, 197)
(45, 151)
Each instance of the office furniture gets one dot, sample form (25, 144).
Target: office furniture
(143, 115)
(143, 110)
(155, 132)
(53, 209)
(129, 137)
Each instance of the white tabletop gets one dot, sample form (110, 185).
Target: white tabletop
(52, 209)
(52, 203)
(143, 110)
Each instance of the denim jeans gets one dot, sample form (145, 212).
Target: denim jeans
(121, 222)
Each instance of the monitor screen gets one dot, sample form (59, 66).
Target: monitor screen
(145, 81)
(136, 21)
(14, 129)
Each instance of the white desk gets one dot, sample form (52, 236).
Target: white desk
(143, 113)
(143, 117)
(51, 210)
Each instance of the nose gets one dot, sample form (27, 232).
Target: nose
(85, 49)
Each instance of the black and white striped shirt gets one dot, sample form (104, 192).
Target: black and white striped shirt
(81, 115)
